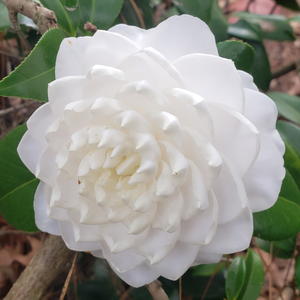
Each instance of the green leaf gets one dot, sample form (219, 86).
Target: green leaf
(67, 13)
(291, 4)
(208, 11)
(30, 79)
(288, 106)
(100, 13)
(281, 221)
(290, 134)
(244, 30)
(18, 184)
(235, 278)
(261, 71)
(254, 278)
(292, 163)
(283, 249)
(272, 27)
(241, 53)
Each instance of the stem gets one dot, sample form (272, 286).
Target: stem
(155, 290)
(42, 270)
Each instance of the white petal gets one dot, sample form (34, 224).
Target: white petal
(213, 78)
(230, 192)
(124, 261)
(177, 261)
(262, 112)
(99, 50)
(64, 91)
(263, 181)
(29, 152)
(247, 80)
(235, 137)
(139, 276)
(180, 35)
(39, 122)
(42, 221)
(69, 60)
(206, 258)
(201, 228)
(108, 106)
(233, 236)
(135, 34)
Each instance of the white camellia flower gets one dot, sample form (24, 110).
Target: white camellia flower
(153, 152)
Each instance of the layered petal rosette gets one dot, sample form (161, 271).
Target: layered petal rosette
(153, 152)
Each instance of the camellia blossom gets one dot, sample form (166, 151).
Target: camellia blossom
(153, 152)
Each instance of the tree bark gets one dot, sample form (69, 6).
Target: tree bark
(42, 270)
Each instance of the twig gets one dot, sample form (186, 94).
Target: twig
(13, 109)
(41, 16)
(210, 280)
(90, 27)
(11, 55)
(42, 270)
(248, 5)
(64, 290)
(156, 290)
(273, 9)
(138, 13)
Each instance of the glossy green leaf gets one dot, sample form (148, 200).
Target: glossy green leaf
(273, 27)
(288, 106)
(100, 13)
(244, 31)
(290, 134)
(18, 184)
(30, 79)
(261, 71)
(283, 249)
(235, 278)
(254, 278)
(67, 13)
(208, 11)
(281, 221)
(291, 4)
(241, 53)
(292, 163)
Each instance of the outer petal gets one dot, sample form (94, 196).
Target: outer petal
(69, 60)
(247, 80)
(108, 49)
(139, 276)
(206, 258)
(233, 236)
(262, 112)
(43, 222)
(263, 181)
(29, 151)
(179, 36)
(213, 78)
(133, 33)
(39, 122)
(177, 261)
